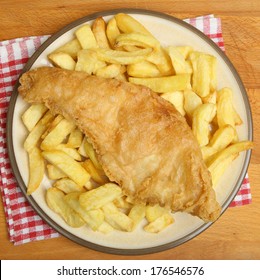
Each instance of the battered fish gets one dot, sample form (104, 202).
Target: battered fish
(141, 140)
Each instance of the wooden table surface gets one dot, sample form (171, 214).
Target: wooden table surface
(236, 235)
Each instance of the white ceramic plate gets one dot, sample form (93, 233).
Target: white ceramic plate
(169, 31)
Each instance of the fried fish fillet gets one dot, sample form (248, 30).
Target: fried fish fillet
(141, 140)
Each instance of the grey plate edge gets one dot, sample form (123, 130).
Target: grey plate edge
(43, 215)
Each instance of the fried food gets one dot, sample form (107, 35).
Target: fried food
(142, 142)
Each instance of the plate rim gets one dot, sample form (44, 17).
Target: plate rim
(33, 203)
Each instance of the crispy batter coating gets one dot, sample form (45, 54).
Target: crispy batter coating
(141, 140)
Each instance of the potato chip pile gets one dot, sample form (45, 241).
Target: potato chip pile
(125, 50)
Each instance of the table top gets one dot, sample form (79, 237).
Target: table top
(236, 235)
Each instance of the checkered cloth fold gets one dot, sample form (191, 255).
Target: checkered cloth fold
(24, 225)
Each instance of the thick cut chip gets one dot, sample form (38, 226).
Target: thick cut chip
(75, 138)
(230, 150)
(159, 224)
(71, 48)
(202, 116)
(36, 170)
(89, 62)
(36, 133)
(117, 219)
(99, 31)
(220, 169)
(68, 165)
(137, 213)
(180, 65)
(69, 151)
(96, 174)
(137, 39)
(122, 57)
(128, 24)
(97, 198)
(191, 101)
(162, 60)
(222, 137)
(33, 114)
(154, 212)
(164, 84)
(112, 31)
(54, 172)
(57, 134)
(105, 228)
(144, 69)
(68, 186)
(94, 218)
(63, 60)
(226, 113)
(204, 73)
(109, 71)
(176, 98)
(86, 37)
(90, 152)
(56, 202)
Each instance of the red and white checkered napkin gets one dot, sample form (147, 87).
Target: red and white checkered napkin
(24, 225)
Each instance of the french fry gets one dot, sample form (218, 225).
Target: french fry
(176, 98)
(191, 101)
(86, 37)
(69, 151)
(109, 71)
(220, 169)
(204, 73)
(36, 170)
(161, 59)
(112, 31)
(68, 165)
(75, 138)
(89, 62)
(52, 125)
(144, 69)
(225, 109)
(96, 174)
(207, 152)
(90, 152)
(93, 218)
(67, 186)
(117, 219)
(202, 116)
(180, 65)
(71, 48)
(211, 98)
(105, 228)
(122, 57)
(159, 224)
(120, 202)
(33, 114)
(57, 134)
(164, 84)
(99, 31)
(36, 133)
(128, 24)
(222, 137)
(137, 213)
(185, 50)
(97, 198)
(231, 150)
(154, 212)
(56, 202)
(137, 39)
(54, 172)
(62, 60)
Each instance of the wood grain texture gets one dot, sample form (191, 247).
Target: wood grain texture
(236, 235)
